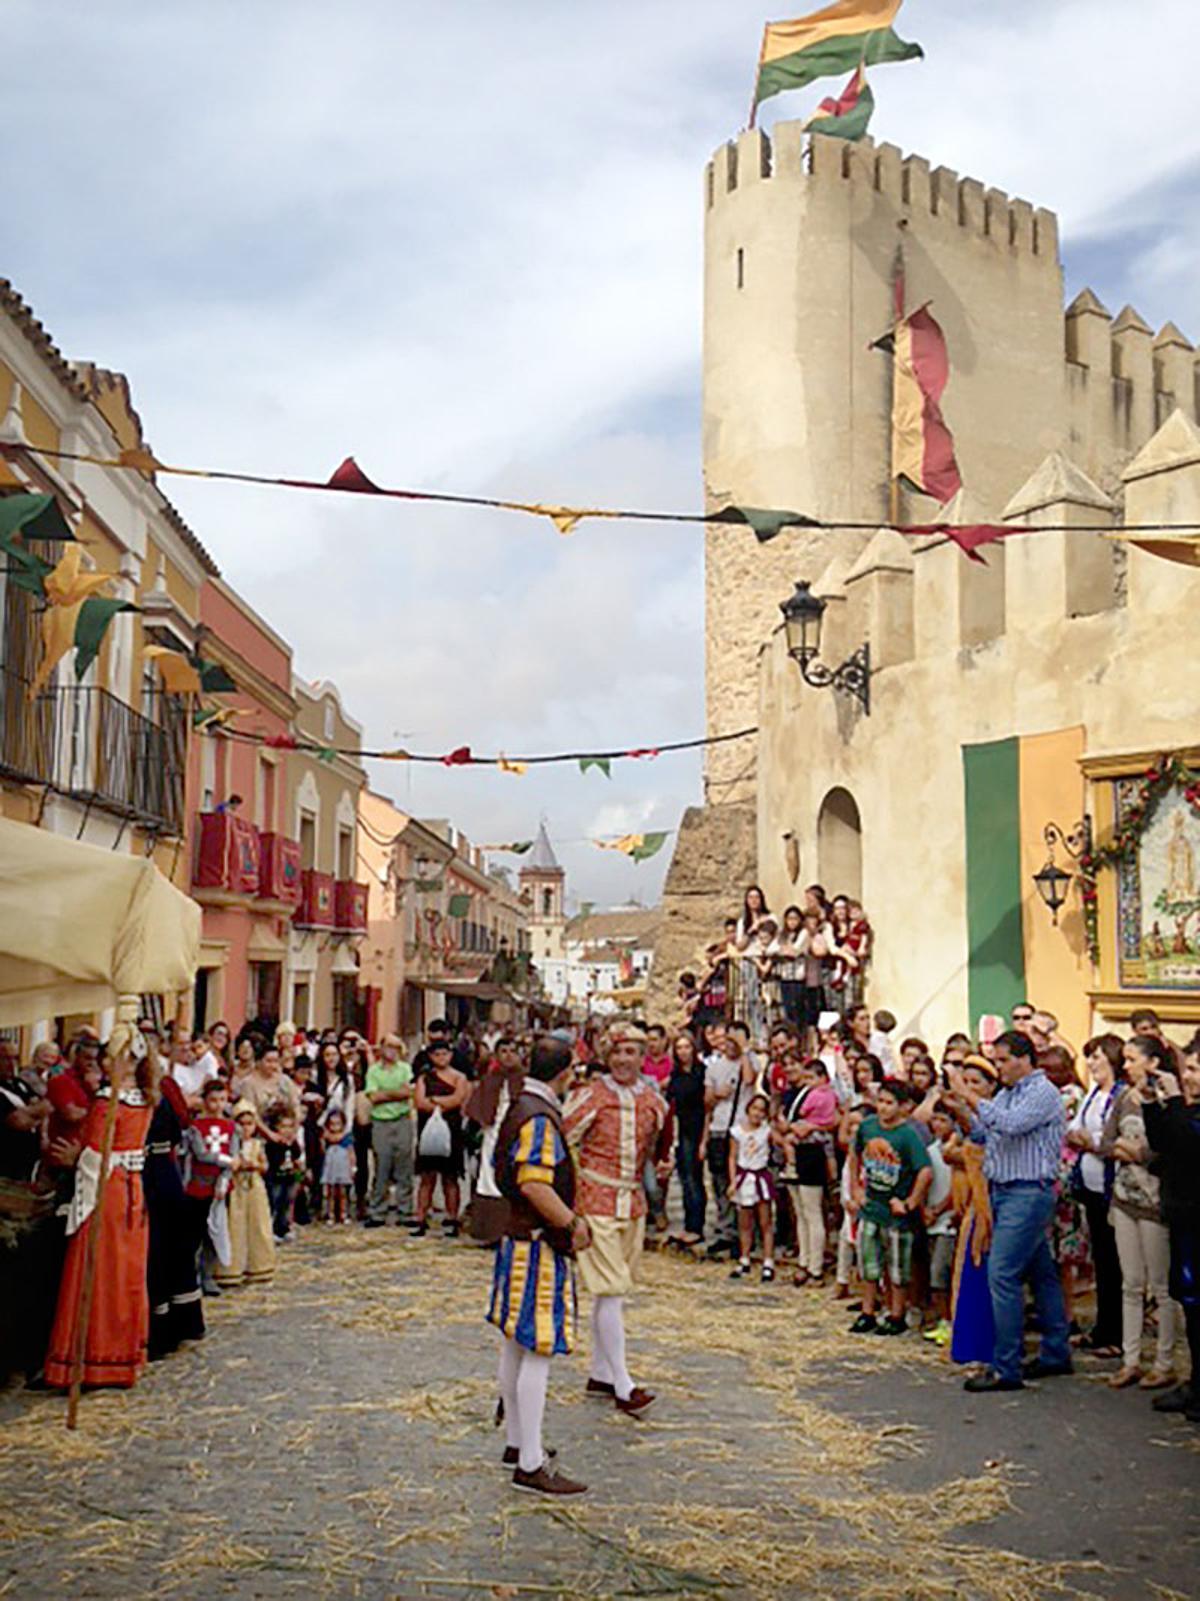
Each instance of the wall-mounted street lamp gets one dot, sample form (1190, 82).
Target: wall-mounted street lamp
(1052, 881)
(802, 614)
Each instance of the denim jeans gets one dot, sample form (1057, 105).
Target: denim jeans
(718, 1171)
(656, 1198)
(280, 1189)
(1022, 1214)
(691, 1180)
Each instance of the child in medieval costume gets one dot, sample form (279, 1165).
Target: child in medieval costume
(209, 1144)
(616, 1123)
(251, 1243)
(118, 1326)
(533, 1283)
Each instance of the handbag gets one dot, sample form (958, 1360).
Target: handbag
(435, 1141)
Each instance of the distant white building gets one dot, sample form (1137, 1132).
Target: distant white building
(607, 958)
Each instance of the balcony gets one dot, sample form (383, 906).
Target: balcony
(87, 744)
(316, 900)
(279, 871)
(350, 906)
(228, 860)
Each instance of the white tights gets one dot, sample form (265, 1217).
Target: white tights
(523, 1379)
(608, 1344)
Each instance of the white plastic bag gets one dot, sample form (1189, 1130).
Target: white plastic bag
(435, 1139)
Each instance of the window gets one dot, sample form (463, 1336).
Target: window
(547, 903)
(308, 841)
(345, 857)
(208, 775)
(741, 268)
(302, 1006)
(264, 795)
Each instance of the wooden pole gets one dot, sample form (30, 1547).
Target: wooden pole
(120, 1071)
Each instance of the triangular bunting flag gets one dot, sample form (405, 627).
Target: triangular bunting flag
(350, 476)
(602, 762)
(91, 626)
(35, 516)
(765, 523)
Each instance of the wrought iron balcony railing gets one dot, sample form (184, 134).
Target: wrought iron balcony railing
(87, 743)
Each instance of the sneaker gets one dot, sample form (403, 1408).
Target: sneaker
(891, 1325)
(864, 1323)
(1176, 1400)
(512, 1456)
(374, 1223)
(637, 1403)
(768, 1273)
(742, 1270)
(940, 1334)
(545, 1482)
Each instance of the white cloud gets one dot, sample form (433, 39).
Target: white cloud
(464, 242)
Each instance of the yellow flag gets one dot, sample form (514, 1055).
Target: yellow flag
(176, 672)
(66, 590)
(518, 768)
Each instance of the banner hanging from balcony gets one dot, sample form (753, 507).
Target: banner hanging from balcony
(183, 672)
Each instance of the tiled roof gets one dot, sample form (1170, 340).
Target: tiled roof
(80, 381)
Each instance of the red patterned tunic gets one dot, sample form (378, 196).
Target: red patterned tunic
(614, 1130)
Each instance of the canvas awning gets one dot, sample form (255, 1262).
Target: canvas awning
(81, 926)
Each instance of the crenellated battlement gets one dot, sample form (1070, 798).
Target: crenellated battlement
(791, 155)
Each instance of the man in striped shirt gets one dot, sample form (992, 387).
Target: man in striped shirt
(1021, 1130)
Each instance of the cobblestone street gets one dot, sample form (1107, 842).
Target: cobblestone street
(333, 1436)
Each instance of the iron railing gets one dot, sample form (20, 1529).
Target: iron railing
(87, 743)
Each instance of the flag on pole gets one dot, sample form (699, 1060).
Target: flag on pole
(848, 115)
(922, 445)
(827, 43)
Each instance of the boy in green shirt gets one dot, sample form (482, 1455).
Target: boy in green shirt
(389, 1090)
(890, 1177)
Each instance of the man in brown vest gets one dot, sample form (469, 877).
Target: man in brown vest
(533, 1300)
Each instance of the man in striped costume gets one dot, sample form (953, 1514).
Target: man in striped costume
(533, 1284)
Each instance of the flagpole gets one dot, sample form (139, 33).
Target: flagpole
(898, 297)
(758, 73)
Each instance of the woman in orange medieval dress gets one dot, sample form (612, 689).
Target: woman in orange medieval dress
(119, 1321)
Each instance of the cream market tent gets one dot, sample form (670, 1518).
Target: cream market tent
(82, 928)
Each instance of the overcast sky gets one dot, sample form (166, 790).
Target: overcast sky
(462, 240)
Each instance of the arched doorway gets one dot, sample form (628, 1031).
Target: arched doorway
(839, 844)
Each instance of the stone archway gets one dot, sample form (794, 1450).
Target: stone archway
(839, 844)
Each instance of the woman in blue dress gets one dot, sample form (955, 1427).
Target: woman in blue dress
(974, 1336)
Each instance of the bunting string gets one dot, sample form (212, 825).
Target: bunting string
(463, 756)
(765, 522)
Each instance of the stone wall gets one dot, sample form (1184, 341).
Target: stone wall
(714, 860)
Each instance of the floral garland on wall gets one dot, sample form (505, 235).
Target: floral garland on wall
(1158, 780)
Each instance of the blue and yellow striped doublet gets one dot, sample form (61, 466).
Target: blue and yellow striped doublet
(533, 1287)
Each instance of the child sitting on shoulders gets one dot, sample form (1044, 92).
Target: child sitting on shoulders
(752, 1185)
(337, 1168)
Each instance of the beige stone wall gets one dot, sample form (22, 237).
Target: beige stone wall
(714, 859)
(1116, 667)
(800, 247)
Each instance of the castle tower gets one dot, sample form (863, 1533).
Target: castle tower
(802, 239)
(543, 883)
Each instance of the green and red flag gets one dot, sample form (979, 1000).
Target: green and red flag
(922, 445)
(827, 43)
(848, 115)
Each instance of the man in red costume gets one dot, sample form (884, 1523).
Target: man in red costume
(615, 1124)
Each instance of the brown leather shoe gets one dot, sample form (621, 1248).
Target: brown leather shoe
(545, 1482)
(598, 1387)
(637, 1403)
